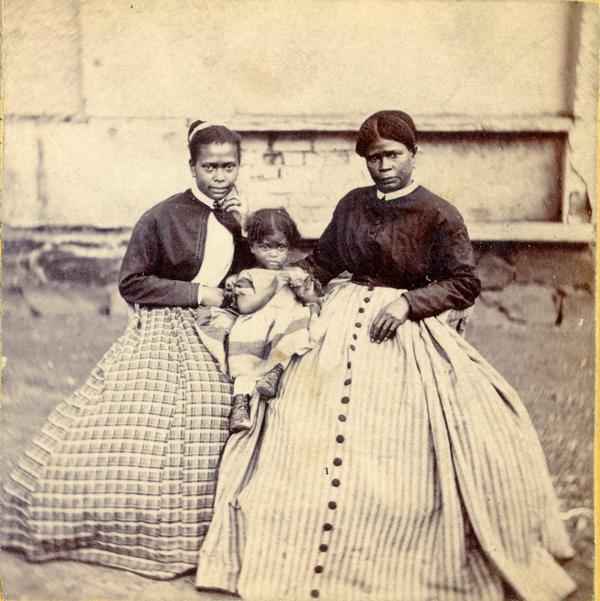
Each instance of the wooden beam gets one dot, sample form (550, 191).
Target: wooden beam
(581, 233)
(532, 232)
(424, 123)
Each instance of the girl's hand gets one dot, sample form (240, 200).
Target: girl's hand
(298, 277)
(230, 282)
(388, 320)
(281, 280)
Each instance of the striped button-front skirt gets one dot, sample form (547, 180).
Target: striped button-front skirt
(402, 471)
(124, 471)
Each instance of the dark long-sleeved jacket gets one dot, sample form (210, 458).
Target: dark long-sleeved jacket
(418, 242)
(166, 250)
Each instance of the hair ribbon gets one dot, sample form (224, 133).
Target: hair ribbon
(198, 128)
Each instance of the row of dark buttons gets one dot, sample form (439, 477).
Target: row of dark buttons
(327, 527)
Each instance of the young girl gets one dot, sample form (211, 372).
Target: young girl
(278, 315)
(124, 471)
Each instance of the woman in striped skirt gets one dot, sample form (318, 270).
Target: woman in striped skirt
(124, 471)
(396, 464)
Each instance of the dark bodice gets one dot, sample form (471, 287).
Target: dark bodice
(417, 242)
(166, 250)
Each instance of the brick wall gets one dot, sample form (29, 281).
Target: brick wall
(106, 173)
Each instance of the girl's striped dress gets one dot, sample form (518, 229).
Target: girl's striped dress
(248, 346)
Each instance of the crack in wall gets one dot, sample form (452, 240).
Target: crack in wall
(41, 184)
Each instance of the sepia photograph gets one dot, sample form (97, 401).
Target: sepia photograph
(298, 300)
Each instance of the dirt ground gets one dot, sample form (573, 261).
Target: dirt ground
(49, 349)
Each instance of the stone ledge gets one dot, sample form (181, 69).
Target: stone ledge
(527, 283)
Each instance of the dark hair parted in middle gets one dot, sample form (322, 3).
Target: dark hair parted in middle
(201, 133)
(266, 222)
(390, 125)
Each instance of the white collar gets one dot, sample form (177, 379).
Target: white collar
(398, 193)
(209, 202)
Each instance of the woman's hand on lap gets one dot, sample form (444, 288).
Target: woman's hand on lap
(211, 296)
(388, 320)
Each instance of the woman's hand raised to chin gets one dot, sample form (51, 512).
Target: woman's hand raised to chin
(388, 320)
(235, 204)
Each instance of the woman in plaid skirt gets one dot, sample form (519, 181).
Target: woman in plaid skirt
(124, 471)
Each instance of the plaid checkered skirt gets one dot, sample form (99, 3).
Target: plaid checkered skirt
(124, 471)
